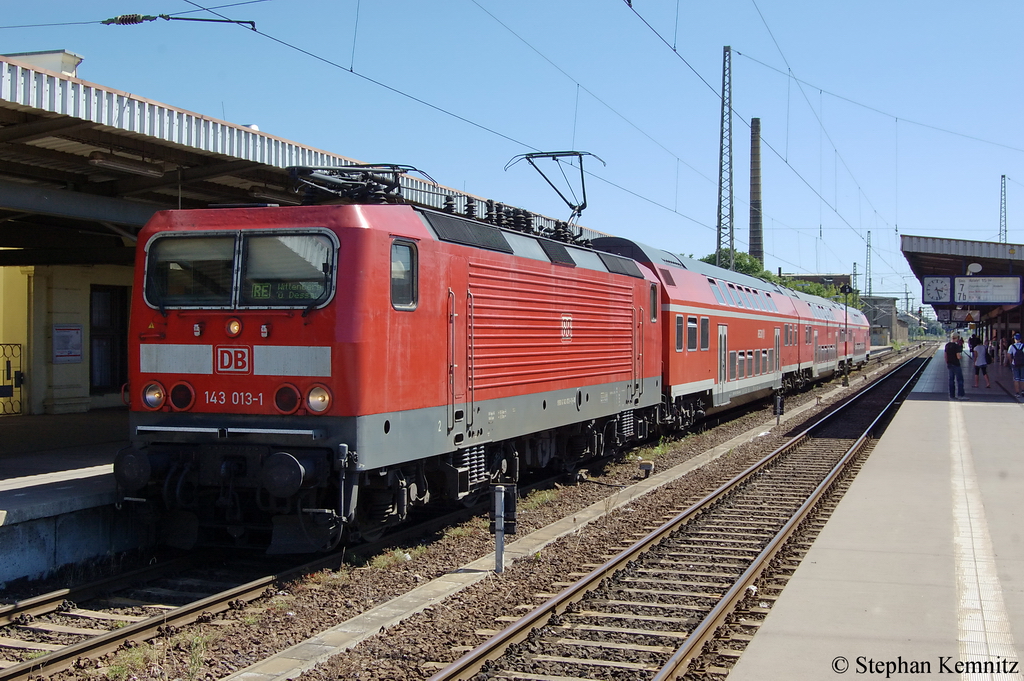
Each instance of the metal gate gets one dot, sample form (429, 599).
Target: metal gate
(11, 378)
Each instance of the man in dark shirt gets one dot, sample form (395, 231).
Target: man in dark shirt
(954, 349)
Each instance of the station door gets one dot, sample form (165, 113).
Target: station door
(11, 378)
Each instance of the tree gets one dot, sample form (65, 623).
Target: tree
(745, 264)
(749, 265)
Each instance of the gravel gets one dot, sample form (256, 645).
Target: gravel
(414, 649)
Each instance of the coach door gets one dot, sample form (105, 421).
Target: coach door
(814, 356)
(723, 364)
(776, 361)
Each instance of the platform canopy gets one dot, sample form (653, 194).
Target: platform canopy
(931, 257)
(83, 166)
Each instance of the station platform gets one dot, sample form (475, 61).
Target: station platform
(920, 570)
(57, 490)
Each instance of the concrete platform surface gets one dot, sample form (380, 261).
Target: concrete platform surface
(920, 570)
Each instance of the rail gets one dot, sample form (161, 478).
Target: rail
(471, 663)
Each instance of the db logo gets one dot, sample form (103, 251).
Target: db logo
(233, 360)
(567, 328)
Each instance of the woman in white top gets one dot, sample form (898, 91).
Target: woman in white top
(982, 356)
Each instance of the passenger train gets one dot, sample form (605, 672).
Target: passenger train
(302, 375)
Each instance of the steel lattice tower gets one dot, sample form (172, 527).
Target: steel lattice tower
(725, 214)
(867, 266)
(1002, 211)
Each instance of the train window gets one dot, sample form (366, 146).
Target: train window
(717, 292)
(741, 365)
(679, 333)
(751, 367)
(286, 269)
(807, 334)
(771, 303)
(705, 333)
(735, 296)
(691, 333)
(771, 360)
(654, 302)
(190, 271)
(732, 365)
(404, 287)
(762, 301)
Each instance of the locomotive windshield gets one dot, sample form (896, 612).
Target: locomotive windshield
(273, 270)
(285, 270)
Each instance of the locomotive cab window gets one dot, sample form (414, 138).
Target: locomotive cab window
(244, 269)
(292, 269)
(190, 271)
(654, 302)
(404, 289)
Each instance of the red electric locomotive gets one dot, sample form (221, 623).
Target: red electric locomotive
(302, 373)
(310, 369)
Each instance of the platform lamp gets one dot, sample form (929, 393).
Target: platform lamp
(846, 290)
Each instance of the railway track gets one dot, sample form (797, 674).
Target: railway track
(51, 632)
(686, 598)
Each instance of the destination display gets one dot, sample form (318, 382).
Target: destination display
(986, 290)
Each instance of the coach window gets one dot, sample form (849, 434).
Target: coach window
(654, 302)
(732, 365)
(705, 333)
(735, 296)
(691, 333)
(718, 293)
(807, 336)
(679, 333)
(404, 289)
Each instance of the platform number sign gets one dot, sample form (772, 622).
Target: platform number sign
(567, 328)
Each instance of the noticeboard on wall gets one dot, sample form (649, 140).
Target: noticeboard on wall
(67, 343)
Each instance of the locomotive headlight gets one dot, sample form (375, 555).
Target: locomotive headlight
(318, 399)
(153, 396)
(234, 327)
(182, 396)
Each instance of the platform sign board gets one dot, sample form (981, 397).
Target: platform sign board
(986, 290)
(67, 343)
(958, 315)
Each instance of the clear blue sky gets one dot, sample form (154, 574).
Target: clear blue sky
(893, 117)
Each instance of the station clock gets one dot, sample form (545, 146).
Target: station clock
(936, 290)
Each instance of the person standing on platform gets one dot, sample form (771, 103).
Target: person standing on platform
(954, 350)
(982, 356)
(1015, 358)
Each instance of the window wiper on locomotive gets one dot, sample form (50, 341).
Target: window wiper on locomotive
(326, 291)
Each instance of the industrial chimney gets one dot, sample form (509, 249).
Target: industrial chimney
(756, 219)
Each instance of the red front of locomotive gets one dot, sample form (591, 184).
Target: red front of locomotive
(258, 335)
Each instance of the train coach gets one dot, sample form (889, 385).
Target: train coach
(303, 374)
